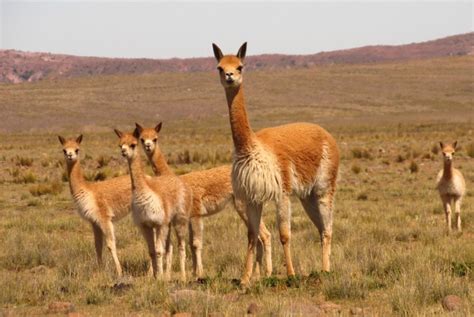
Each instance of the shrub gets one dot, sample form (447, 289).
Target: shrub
(413, 167)
(23, 161)
(103, 161)
(470, 149)
(52, 188)
(435, 148)
(355, 169)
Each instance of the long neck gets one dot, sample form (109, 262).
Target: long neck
(242, 133)
(448, 169)
(76, 177)
(158, 163)
(136, 172)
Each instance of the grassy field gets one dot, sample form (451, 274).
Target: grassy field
(391, 254)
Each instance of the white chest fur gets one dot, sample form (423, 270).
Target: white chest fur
(86, 205)
(147, 208)
(257, 176)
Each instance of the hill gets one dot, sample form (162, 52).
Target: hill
(418, 90)
(18, 66)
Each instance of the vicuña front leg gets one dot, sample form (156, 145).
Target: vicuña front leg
(149, 236)
(111, 245)
(99, 242)
(284, 225)
(266, 239)
(457, 211)
(254, 215)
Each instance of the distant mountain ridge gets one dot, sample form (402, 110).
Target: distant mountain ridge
(18, 66)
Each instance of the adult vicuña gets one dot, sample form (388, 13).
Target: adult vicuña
(99, 203)
(270, 165)
(212, 191)
(451, 185)
(157, 203)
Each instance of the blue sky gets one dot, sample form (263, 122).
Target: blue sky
(159, 29)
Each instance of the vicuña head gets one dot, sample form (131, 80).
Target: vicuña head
(128, 143)
(448, 150)
(71, 148)
(149, 137)
(230, 66)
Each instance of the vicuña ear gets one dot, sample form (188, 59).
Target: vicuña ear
(118, 133)
(136, 133)
(217, 52)
(455, 144)
(242, 51)
(79, 139)
(158, 127)
(441, 145)
(139, 128)
(61, 140)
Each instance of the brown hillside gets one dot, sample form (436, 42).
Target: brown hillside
(18, 66)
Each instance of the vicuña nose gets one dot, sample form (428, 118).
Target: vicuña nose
(229, 74)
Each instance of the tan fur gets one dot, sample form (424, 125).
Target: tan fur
(100, 203)
(272, 164)
(212, 191)
(451, 185)
(157, 203)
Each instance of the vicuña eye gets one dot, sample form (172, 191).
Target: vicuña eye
(133, 146)
(64, 151)
(240, 68)
(154, 140)
(143, 140)
(220, 69)
(77, 151)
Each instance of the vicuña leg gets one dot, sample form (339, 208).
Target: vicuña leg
(254, 215)
(161, 239)
(196, 237)
(110, 242)
(149, 236)
(264, 244)
(457, 211)
(284, 224)
(266, 240)
(319, 210)
(168, 255)
(180, 225)
(99, 242)
(447, 210)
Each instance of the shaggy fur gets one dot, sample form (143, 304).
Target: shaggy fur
(99, 203)
(272, 164)
(157, 203)
(451, 185)
(212, 191)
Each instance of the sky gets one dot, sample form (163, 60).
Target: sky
(159, 29)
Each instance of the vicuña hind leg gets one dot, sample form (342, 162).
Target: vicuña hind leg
(180, 226)
(196, 237)
(254, 215)
(319, 210)
(99, 242)
(457, 211)
(284, 224)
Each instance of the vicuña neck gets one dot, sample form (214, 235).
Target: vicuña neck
(75, 175)
(136, 172)
(448, 169)
(158, 163)
(242, 133)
